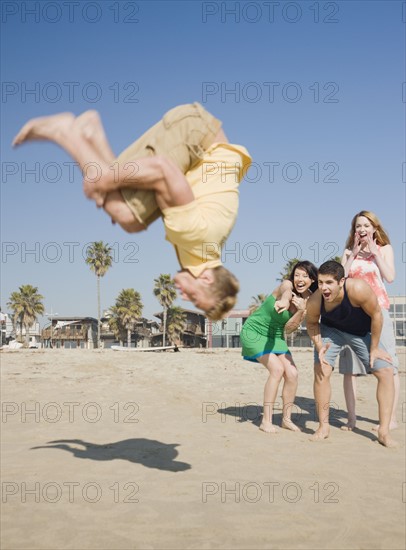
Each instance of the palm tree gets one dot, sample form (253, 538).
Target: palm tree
(258, 300)
(99, 258)
(26, 305)
(127, 311)
(176, 323)
(115, 325)
(284, 274)
(165, 292)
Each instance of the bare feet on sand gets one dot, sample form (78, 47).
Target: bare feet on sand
(289, 425)
(348, 427)
(268, 427)
(387, 441)
(392, 426)
(320, 434)
(45, 128)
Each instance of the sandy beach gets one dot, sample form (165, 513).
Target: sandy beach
(108, 450)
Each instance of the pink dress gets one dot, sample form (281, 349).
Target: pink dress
(366, 268)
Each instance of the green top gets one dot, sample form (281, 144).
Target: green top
(263, 331)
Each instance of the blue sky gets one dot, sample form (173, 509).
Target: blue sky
(312, 89)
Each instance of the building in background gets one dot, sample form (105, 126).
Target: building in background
(194, 332)
(7, 331)
(397, 311)
(226, 333)
(81, 332)
(70, 333)
(141, 336)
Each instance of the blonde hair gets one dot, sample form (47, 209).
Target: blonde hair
(380, 234)
(225, 288)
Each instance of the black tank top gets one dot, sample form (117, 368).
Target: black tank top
(346, 317)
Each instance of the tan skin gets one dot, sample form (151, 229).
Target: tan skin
(364, 246)
(84, 139)
(281, 365)
(360, 295)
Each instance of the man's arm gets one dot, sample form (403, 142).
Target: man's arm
(157, 174)
(313, 317)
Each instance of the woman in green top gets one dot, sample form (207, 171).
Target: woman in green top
(263, 340)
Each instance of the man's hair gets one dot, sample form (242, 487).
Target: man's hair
(225, 288)
(332, 268)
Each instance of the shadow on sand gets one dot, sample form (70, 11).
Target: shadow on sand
(148, 452)
(303, 411)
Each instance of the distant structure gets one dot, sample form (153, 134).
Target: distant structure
(226, 333)
(70, 333)
(397, 311)
(81, 332)
(193, 335)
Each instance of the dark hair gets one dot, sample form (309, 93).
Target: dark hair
(332, 268)
(310, 269)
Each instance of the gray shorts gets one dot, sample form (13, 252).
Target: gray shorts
(359, 345)
(349, 362)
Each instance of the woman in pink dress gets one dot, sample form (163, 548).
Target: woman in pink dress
(369, 255)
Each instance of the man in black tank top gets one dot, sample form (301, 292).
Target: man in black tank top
(346, 313)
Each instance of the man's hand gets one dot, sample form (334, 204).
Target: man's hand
(92, 186)
(322, 359)
(379, 354)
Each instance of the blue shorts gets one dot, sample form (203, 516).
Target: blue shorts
(360, 345)
(349, 362)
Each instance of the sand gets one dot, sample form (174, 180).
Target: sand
(162, 450)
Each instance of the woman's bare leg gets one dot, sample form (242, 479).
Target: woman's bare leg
(275, 369)
(350, 393)
(289, 391)
(393, 423)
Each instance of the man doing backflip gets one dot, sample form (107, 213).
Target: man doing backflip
(182, 169)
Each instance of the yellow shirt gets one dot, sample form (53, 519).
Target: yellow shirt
(199, 229)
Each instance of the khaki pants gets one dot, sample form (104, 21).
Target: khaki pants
(182, 135)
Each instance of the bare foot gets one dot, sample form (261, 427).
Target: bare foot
(89, 123)
(49, 128)
(320, 434)
(392, 426)
(387, 441)
(91, 127)
(289, 425)
(268, 427)
(348, 427)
